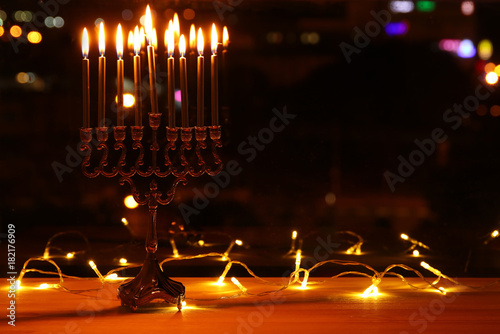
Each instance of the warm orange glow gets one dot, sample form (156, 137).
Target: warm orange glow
(225, 38)
(130, 202)
(2, 30)
(148, 25)
(494, 234)
(130, 40)
(491, 78)
(214, 39)
(143, 37)
(16, 31)
(102, 43)
(416, 253)
(128, 100)
(201, 42)
(154, 39)
(490, 67)
(170, 40)
(177, 29)
(192, 37)
(119, 42)
(182, 46)
(85, 43)
(34, 37)
(137, 41)
(124, 221)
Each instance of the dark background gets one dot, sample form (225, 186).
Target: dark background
(323, 174)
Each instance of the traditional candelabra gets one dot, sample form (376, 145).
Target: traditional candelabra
(168, 156)
(152, 283)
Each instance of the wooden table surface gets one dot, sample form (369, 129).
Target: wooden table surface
(333, 307)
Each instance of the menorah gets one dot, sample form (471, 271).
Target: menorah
(152, 283)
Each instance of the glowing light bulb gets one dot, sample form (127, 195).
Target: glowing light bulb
(238, 242)
(416, 253)
(184, 303)
(404, 236)
(174, 248)
(304, 282)
(372, 289)
(70, 255)
(442, 290)
(494, 234)
(112, 276)
(431, 269)
(94, 268)
(201, 243)
(123, 260)
(125, 221)
(239, 285)
(220, 281)
(43, 286)
(294, 235)
(18, 285)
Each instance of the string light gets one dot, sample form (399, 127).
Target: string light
(124, 221)
(220, 281)
(70, 255)
(492, 236)
(239, 285)
(414, 242)
(174, 247)
(304, 282)
(431, 269)
(416, 253)
(123, 261)
(231, 245)
(292, 246)
(94, 268)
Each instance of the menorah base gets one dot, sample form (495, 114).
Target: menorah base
(151, 284)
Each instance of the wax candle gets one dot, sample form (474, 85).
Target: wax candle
(151, 61)
(137, 77)
(214, 72)
(85, 79)
(102, 79)
(171, 79)
(200, 88)
(119, 75)
(183, 80)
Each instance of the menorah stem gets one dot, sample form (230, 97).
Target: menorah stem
(152, 238)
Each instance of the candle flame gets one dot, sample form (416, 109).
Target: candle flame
(165, 38)
(154, 39)
(137, 41)
(148, 25)
(214, 39)
(201, 42)
(130, 41)
(119, 42)
(192, 37)
(177, 29)
(182, 45)
(142, 37)
(225, 38)
(85, 43)
(170, 42)
(102, 44)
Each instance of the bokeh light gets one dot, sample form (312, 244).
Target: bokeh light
(22, 77)
(466, 49)
(178, 95)
(490, 67)
(16, 31)
(2, 31)
(98, 21)
(128, 100)
(58, 22)
(482, 110)
(396, 28)
(403, 6)
(3, 15)
(49, 22)
(467, 7)
(188, 14)
(495, 110)
(485, 49)
(130, 202)
(34, 37)
(127, 14)
(491, 78)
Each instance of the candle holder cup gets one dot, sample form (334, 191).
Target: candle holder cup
(177, 161)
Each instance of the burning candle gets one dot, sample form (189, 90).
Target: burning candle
(214, 70)
(177, 28)
(143, 37)
(192, 39)
(137, 77)
(183, 79)
(151, 61)
(119, 76)
(102, 79)
(171, 79)
(130, 42)
(85, 78)
(200, 88)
